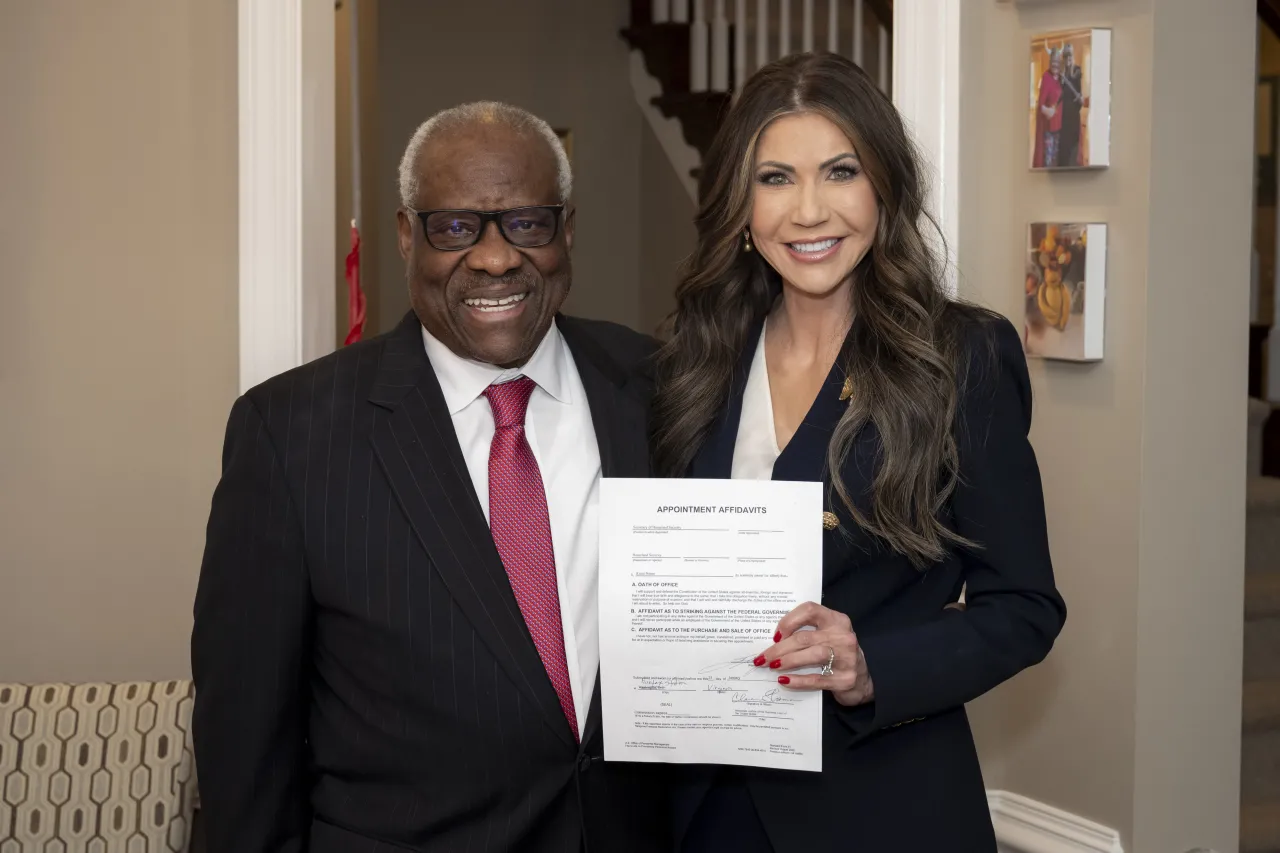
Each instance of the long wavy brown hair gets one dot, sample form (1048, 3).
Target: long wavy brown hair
(905, 347)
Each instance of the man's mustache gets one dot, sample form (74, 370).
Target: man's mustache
(479, 285)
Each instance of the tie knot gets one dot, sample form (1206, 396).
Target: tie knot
(509, 400)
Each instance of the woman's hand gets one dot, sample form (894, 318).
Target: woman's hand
(832, 640)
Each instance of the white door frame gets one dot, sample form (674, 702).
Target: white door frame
(287, 207)
(287, 185)
(926, 89)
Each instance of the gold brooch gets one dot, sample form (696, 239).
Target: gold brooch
(829, 521)
(847, 391)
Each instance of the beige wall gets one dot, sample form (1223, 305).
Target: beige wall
(118, 355)
(667, 235)
(1134, 720)
(561, 59)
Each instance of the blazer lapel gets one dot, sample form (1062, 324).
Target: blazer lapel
(619, 403)
(419, 452)
(618, 400)
(714, 461)
(805, 456)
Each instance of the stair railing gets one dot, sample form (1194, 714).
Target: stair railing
(718, 40)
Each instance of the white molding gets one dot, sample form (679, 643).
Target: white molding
(1024, 825)
(683, 156)
(287, 251)
(926, 90)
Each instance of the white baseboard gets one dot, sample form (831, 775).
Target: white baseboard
(1026, 826)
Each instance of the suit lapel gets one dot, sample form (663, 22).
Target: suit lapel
(714, 461)
(619, 415)
(415, 443)
(618, 401)
(805, 456)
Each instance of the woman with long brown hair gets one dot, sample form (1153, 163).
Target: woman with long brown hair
(813, 339)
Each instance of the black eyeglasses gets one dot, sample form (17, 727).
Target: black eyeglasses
(523, 227)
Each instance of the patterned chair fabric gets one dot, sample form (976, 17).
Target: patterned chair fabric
(96, 768)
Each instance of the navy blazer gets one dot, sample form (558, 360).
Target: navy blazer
(901, 773)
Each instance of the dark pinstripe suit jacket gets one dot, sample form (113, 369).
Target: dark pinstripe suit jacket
(364, 679)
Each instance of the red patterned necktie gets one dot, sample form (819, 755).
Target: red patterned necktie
(521, 529)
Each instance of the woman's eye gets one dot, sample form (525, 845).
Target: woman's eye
(773, 179)
(844, 173)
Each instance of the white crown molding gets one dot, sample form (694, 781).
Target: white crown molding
(683, 156)
(1024, 825)
(926, 90)
(287, 251)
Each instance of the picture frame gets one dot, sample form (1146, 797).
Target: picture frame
(1064, 291)
(1069, 108)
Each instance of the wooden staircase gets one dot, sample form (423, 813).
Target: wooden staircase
(1260, 729)
(699, 56)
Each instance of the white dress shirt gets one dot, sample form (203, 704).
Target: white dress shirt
(756, 447)
(559, 430)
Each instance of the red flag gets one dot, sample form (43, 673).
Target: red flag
(355, 295)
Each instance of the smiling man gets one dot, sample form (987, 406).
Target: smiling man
(396, 642)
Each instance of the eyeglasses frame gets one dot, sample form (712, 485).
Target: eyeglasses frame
(487, 216)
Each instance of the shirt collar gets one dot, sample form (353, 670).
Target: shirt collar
(462, 380)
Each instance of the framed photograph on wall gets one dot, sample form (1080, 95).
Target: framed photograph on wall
(1070, 109)
(1065, 288)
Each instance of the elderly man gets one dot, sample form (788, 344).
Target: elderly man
(395, 643)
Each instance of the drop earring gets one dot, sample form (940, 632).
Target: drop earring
(746, 247)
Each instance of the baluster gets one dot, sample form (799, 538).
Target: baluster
(883, 75)
(784, 28)
(680, 11)
(833, 26)
(661, 11)
(762, 33)
(698, 48)
(857, 33)
(739, 43)
(719, 50)
(806, 40)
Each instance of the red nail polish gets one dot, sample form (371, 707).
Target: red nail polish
(759, 661)
(777, 636)
(777, 664)
(783, 679)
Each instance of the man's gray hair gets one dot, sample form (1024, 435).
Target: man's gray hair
(480, 112)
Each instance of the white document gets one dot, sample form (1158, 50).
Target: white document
(694, 576)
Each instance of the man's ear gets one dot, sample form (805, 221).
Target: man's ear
(568, 227)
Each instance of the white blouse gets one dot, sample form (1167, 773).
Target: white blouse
(756, 447)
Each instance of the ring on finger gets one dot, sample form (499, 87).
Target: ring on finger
(831, 659)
